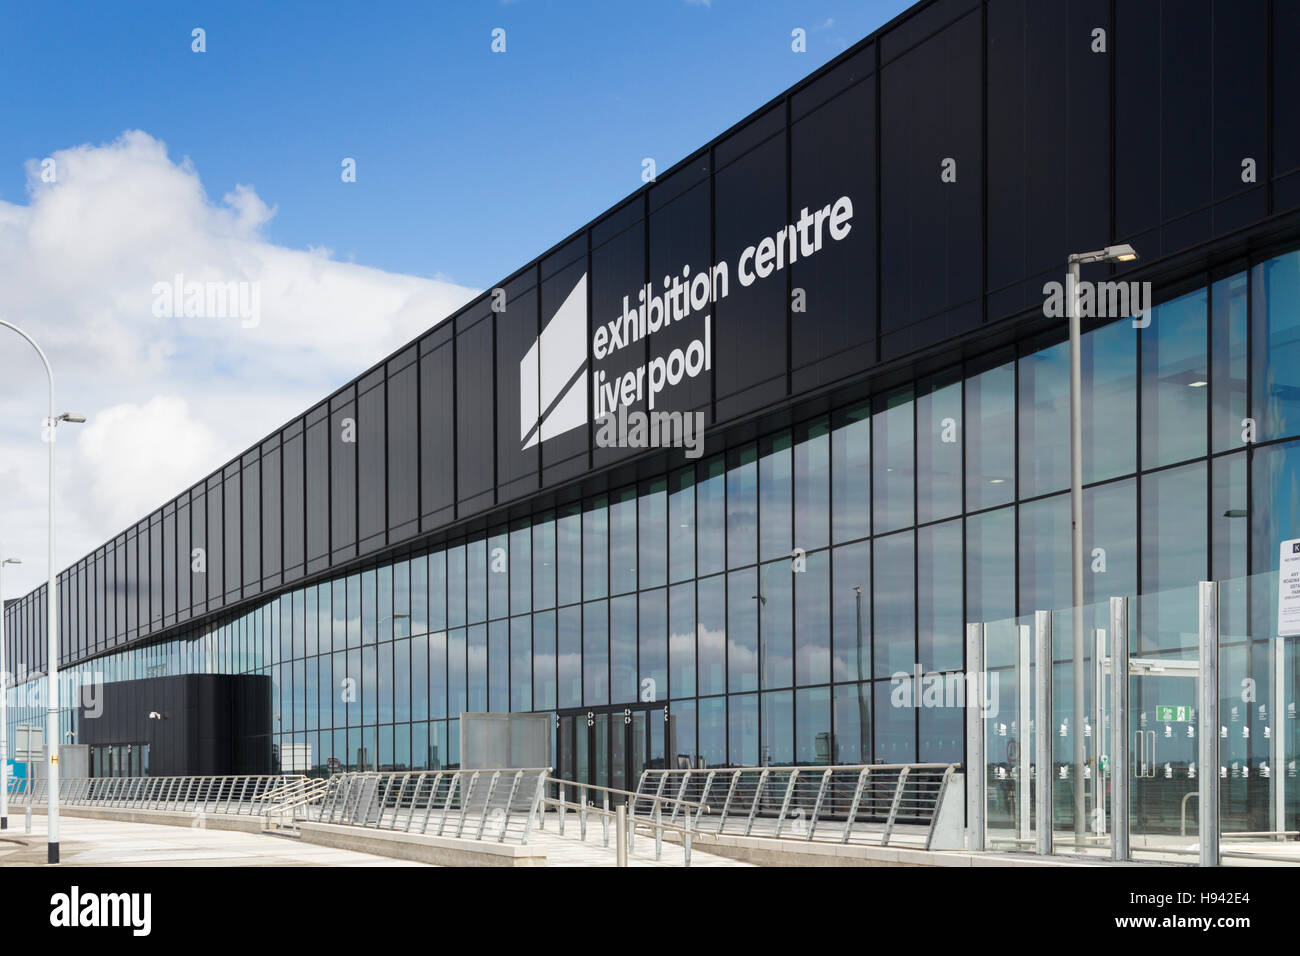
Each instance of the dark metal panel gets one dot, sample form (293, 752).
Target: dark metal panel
(437, 435)
(403, 451)
(931, 253)
(516, 317)
(750, 204)
(474, 405)
(372, 453)
(832, 155)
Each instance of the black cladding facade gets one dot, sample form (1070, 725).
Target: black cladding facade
(206, 725)
(1063, 126)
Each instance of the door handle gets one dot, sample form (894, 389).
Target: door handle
(1151, 758)
(1139, 765)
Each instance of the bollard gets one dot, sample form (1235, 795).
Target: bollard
(659, 832)
(620, 835)
(604, 818)
(29, 819)
(687, 838)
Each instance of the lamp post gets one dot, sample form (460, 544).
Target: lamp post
(1118, 253)
(4, 708)
(52, 618)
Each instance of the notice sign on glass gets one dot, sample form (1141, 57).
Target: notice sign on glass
(1288, 589)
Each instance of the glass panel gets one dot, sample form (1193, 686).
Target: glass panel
(1175, 381)
(543, 557)
(939, 598)
(652, 543)
(990, 437)
(741, 631)
(1045, 421)
(681, 526)
(812, 621)
(851, 473)
(498, 575)
(939, 440)
(812, 471)
(775, 477)
(681, 640)
(851, 612)
(544, 661)
(521, 579)
(595, 549)
(776, 634)
(595, 653)
(1275, 402)
(852, 716)
(622, 649)
(1228, 339)
(652, 683)
(1109, 360)
(742, 506)
(893, 469)
(895, 606)
(622, 542)
(569, 657)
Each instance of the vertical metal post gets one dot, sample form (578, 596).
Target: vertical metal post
(975, 759)
(620, 834)
(1119, 728)
(1043, 727)
(1098, 730)
(1076, 536)
(1277, 718)
(1023, 755)
(1209, 729)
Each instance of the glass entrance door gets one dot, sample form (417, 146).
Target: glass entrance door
(1163, 772)
(611, 746)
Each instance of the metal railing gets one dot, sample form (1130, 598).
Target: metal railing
(625, 824)
(251, 795)
(492, 805)
(869, 804)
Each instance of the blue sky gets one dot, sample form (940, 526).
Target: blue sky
(469, 163)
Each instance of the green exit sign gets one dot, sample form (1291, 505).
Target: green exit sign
(1167, 714)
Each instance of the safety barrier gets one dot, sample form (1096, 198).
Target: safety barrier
(625, 822)
(251, 795)
(868, 804)
(495, 805)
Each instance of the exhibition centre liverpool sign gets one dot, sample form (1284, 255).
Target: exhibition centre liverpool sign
(553, 375)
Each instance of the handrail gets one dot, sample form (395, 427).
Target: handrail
(630, 794)
(483, 804)
(851, 803)
(656, 824)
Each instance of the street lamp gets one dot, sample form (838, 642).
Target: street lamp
(1119, 253)
(52, 619)
(4, 709)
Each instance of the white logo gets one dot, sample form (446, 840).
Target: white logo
(75, 909)
(553, 375)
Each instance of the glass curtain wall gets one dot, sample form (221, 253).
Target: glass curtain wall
(791, 599)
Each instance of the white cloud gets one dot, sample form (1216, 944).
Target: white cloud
(168, 399)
